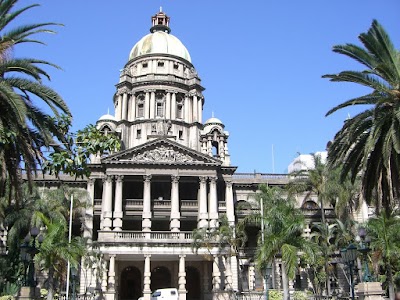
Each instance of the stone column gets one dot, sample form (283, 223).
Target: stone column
(200, 109)
(202, 201)
(182, 278)
(152, 103)
(175, 214)
(228, 274)
(230, 207)
(132, 108)
(147, 278)
(106, 204)
(124, 105)
(213, 203)
(88, 228)
(216, 274)
(111, 274)
(188, 118)
(104, 277)
(173, 106)
(234, 271)
(147, 105)
(146, 218)
(117, 224)
(195, 106)
(118, 108)
(168, 106)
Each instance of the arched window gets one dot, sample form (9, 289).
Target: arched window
(140, 106)
(160, 101)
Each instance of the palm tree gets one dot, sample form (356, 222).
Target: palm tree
(368, 144)
(56, 251)
(384, 231)
(24, 127)
(282, 233)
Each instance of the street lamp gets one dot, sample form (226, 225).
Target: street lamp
(267, 275)
(349, 256)
(364, 249)
(28, 252)
(74, 274)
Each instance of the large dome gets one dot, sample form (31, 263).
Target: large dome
(159, 42)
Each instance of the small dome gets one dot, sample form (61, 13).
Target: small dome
(160, 42)
(213, 121)
(107, 117)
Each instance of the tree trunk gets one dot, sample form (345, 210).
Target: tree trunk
(285, 283)
(390, 281)
(50, 284)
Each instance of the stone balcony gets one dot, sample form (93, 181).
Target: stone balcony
(145, 238)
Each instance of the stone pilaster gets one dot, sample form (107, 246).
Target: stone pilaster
(147, 278)
(213, 203)
(175, 214)
(111, 274)
(216, 273)
(203, 215)
(182, 278)
(117, 223)
(146, 217)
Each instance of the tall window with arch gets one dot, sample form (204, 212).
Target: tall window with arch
(160, 104)
(140, 106)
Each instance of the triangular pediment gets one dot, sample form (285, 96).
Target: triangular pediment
(161, 151)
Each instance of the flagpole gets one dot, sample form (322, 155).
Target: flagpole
(69, 242)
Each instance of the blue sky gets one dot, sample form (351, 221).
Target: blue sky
(260, 61)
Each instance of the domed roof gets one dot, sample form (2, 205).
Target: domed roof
(214, 121)
(160, 42)
(107, 117)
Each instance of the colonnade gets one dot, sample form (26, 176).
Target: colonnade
(208, 215)
(126, 105)
(221, 273)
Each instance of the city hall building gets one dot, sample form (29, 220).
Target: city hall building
(172, 175)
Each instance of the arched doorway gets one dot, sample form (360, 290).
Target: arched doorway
(131, 284)
(193, 284)
(160, 278)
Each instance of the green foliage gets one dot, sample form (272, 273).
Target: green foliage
(368, 144)
(72, 157)
(25, 129)
(9, 289)
(301, 295)
(275, 295)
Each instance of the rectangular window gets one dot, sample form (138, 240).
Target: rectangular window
(140, 110)
(160, 64)
(160, 109)
(179, 111)
(180, 134)
(176, 66)
(144, 65)
(139, 134)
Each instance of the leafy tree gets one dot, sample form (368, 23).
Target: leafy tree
(24, 128)
(56, 251)
(368, 144)
(384, 231)
(222, 241)
(282, 234)
(73, 156)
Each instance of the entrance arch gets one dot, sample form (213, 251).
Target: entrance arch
(193, 285)
(130, 284)
(160, 278)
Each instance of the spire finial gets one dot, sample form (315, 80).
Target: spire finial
(212, 114)
(160, 8)
(108, 111)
